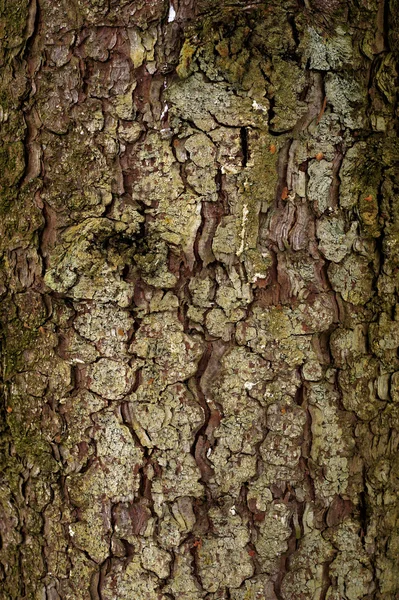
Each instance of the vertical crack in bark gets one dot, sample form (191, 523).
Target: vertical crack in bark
(244, 146)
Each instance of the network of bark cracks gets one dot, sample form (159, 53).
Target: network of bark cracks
(199, 270)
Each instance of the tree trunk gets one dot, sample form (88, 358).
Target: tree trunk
(199, 277)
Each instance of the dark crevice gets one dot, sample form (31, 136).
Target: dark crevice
(202, 365)
(295, 33)
(364, 515)
(33, 27)
(244, 145)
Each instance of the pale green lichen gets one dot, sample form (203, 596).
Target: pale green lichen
(212, 104)
(105, 325)
(359, 393)
(272, 537)
(335, 243)
(159, 174)
(327, 53)
(279, 333)
(179, 476)
(320, 180)
(348, 99)
(127, 578)
(183, 583)
(111, 379)
(353, 278)
(223, 560)
(232, 470)
(121, 457)
(351, 567)
(307, 568)
(177, 222)
(288, 81)
(81, 267)
(167, 421)
(161, 339)
(332, 443)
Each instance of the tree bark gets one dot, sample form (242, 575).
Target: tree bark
(199, 276)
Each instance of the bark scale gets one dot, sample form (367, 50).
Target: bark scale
(199, 271)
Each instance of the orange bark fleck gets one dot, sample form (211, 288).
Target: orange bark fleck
(261, 283)
(284, 194)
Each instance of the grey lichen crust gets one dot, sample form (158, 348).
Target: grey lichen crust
(198, 275)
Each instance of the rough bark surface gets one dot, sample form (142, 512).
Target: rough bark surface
(199, 279)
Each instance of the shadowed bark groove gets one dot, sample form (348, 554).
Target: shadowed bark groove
(199, 243)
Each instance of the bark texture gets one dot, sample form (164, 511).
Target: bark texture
(199, 276)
